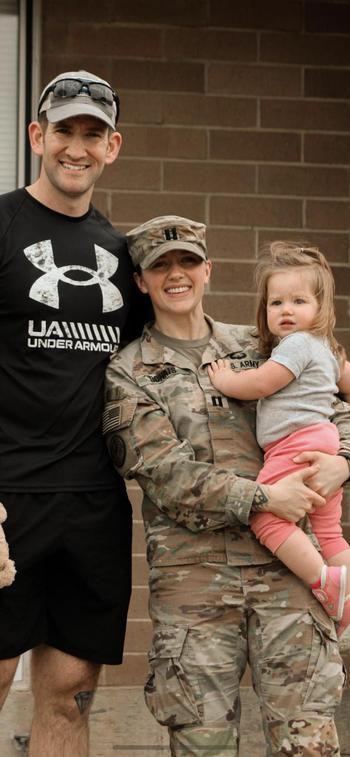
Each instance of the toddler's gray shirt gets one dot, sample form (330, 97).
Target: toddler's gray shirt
(308, 398)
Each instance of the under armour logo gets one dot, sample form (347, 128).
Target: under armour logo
(45, 288)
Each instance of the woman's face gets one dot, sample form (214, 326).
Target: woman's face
(175, 282)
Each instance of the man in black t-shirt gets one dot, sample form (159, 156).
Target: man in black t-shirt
(67, 300)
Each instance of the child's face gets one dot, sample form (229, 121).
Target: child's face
(291, 303)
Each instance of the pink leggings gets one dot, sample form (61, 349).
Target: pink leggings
(278, 463)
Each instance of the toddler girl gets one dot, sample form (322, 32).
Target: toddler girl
(295, 388)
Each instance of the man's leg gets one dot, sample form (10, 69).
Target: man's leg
(63, 688)
(7, 674)
(296, 667)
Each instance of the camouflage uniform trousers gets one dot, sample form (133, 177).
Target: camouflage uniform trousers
(209, 621)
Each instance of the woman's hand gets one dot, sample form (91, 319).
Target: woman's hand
(291, 498)
(332, 471)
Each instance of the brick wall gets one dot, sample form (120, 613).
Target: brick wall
(233, 113)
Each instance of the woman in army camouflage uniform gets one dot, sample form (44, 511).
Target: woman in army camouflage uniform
(217, 597)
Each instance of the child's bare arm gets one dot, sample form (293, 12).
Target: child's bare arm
(251, 384)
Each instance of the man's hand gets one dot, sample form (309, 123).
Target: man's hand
(332, 471)
(291, 498)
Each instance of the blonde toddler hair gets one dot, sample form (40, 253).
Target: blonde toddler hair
(280, 255)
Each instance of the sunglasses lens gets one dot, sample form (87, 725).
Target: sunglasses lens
(67, 88)
(100, 92)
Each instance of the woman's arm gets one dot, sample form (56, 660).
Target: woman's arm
(333, 470)
(198, 495)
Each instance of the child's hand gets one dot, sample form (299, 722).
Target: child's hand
(220, 375)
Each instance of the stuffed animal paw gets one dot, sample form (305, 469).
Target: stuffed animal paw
(7, 566)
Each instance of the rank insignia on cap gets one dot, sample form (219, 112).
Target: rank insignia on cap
(171, 233)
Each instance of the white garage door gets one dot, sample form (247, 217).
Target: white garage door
(9, 85)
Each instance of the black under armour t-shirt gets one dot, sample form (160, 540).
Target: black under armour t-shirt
(66, 295)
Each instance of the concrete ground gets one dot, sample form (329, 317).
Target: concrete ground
(121, 725)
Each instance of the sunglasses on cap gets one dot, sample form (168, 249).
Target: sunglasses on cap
(68, 88)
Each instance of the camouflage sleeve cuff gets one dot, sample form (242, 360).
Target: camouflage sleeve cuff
(346, 455)
(239, 506)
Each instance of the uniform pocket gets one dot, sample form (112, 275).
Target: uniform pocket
(299, 668)
(169, 694)
(326, 674)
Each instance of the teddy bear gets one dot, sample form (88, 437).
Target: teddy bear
(7, 566)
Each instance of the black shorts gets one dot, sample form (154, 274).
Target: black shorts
(72, 588)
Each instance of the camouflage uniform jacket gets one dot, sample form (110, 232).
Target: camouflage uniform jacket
(192, 450)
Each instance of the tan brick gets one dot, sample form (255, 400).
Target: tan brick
(138, 543)
(132, 672)
(343, 337)
(254, 211)
(167, 142)
(138, 608)
(230, 308)
(304, 49)
(342, 312)
(327, 214)
(305, 115)
(342, 279)
(160, 75)
(132, 174)
(323, 82)
(236, 274)
(135, 495)
(115, 40)
(346, 531)
(346, 505)
(210, 43)
(138, 635)
(327, 148)
(254, 80)
(271, 14)
(135, 208)
(208, 177)
(73, 11)
(140, 570)
(209, 110)
(101, 200)
(52, 65)
(334, 246)
(254, 145)
(230, 243)
(186, 12)
(55, 38)
(303, 180)
(327, 17)
(139, 107)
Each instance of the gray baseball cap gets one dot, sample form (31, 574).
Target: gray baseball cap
(79, 93)
(152, 239)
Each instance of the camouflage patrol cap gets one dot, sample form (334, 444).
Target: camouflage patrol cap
(155, 237)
